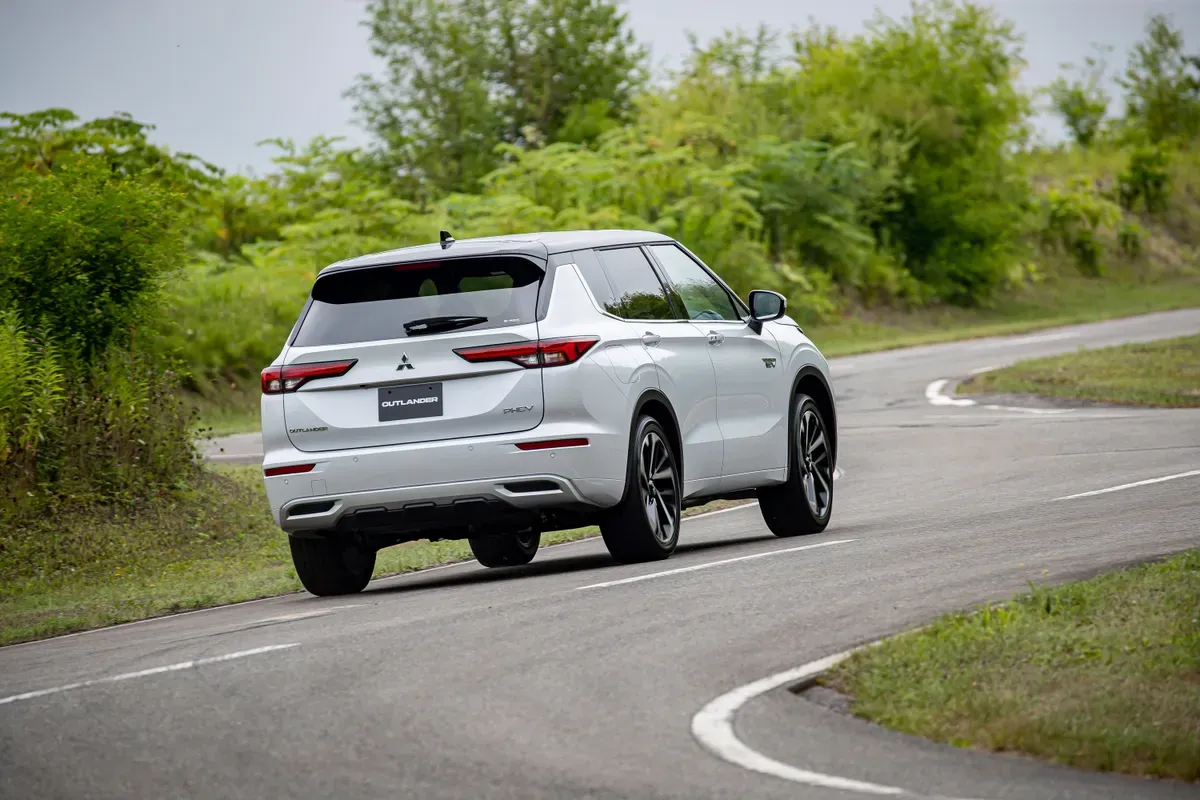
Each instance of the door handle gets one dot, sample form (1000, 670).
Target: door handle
(650, 339)
(715, 338)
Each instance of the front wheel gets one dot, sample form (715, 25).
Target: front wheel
(645, 525)
(804, 503)
(332, 566)
(512, 550)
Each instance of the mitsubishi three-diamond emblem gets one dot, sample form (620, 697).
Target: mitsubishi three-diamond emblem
(404, 362)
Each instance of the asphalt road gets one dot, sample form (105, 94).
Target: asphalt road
(463, 682)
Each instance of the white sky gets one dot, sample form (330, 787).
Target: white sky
(217, 76)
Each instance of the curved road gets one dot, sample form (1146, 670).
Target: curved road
(567, 679)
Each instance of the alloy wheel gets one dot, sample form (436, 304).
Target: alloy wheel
(659, 487)
(816, 465)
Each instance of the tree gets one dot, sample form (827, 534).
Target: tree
(1162, 84)
(42, 139)
(462, 76)
(1082, 101)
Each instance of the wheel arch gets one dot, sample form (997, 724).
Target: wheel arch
(654, 403)
(812, 382)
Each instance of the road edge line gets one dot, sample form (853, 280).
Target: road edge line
(712, 727)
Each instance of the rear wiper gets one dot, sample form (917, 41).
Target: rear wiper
(419, 327)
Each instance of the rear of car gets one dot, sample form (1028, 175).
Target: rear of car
(423, 396)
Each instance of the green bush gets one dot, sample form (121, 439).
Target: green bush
(1073, 220)
(83, 252)
(116, 432)
(1147, 178)
(85, 414)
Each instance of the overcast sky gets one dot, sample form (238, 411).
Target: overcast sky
(217, 76)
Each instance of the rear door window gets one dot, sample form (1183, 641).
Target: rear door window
(701, 296)
(393, 302)
(639, 294)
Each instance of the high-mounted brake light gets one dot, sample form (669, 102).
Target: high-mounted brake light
(546, 353)
(281, 380)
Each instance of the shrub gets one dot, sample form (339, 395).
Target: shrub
(85, 416)
(1082, 101)
(1073, 219)
(115, 433)
(1147, 177)
(1130, 238)
(82, 252)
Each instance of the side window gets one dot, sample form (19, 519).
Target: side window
(703, 297)
(596, 280)
(639, 292)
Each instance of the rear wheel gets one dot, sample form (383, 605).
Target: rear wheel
(332, 566)
(512, 550)
(645, 526)
(805, 503)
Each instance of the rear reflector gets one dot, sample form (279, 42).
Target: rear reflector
(551, 443)
(546, 353)
(294, 469)
(281, 380)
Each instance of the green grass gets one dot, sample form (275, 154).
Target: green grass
(1101, 674)
(213, 544)
(1163, 373)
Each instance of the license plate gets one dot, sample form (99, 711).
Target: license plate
(410, 402)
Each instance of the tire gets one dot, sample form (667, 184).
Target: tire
(645, 525)
(804, 504)
(506, 551)
(330, 566)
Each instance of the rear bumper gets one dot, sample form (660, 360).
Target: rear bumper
(440, 485)
(416, 509)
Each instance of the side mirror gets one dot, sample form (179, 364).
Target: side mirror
(764, 307)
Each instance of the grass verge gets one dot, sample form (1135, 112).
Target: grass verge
(1165, 373)
(1101, 674)
(211, 545)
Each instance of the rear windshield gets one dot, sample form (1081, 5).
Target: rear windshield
(364, 305)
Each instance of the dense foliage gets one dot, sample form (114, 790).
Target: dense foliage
(91, 223)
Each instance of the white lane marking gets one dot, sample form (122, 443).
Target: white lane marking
(320, 612)
(707, 565)
(935, 395)
(713, 728)
(1025, 410)
(1163, 479)
(1007, 342)
(142, 673)
(982, 370)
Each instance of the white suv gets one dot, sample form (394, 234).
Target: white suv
(493, 389)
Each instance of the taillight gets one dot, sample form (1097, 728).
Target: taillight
(281, 380)
(546, 353)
